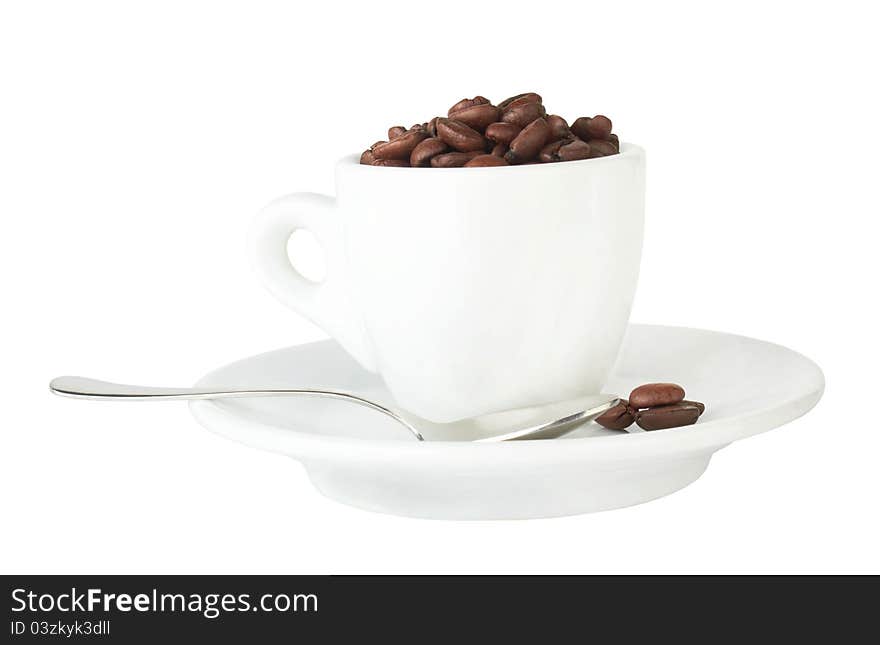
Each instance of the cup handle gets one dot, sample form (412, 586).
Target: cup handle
(328, 303)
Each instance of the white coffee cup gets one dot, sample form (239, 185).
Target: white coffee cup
(469, 290)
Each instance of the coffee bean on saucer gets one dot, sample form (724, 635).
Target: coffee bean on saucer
(367, 157)
(423, 153)
(459, 136)
(529, 142)
(395, 131)
(400, 147)
(483, 161)
(668, 416)
(650, 395)
(700, 406)
(620, 417)
(453, 159)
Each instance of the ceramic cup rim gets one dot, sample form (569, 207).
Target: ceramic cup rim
(627, 150)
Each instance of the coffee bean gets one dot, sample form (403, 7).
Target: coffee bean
(529, 142)
(466, 103)
(598, 127)
(550, 152)
(422, 153)
(397, 163)
(558, 127)
(653, 394)
(574, 150)
(477, 116)
(453, 159)
(601, 148)
(668, 416)
(700, 406)
(459, 136)
(565, 150)
(517, 130)
(530, 97)
(400, 147)
(620, 417)
(522, 114)
(501, 132)
(485, 161)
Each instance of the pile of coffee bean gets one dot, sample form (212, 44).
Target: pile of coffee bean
(653, 406)
(476, 133)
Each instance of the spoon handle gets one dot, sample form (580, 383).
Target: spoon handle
(80, 387)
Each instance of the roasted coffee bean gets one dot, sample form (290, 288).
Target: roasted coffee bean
(395, 131)
(550, 152)
(601, 148)
(620, 417)
(530, 97)
(668, 416)
(522, 114)
(650, 395)
(517, 130)
(466, 103)
(501, 132)
(459, 136)
(453, 159)
(422, 153)
(401, 147)
(574, 150)
(485, 160)
(529, 142)
(477, 116)
(598, 127)
(397, 163)
(565, 150)
(700, 406)
(558, 127)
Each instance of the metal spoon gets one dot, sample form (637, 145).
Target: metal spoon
(544, 422)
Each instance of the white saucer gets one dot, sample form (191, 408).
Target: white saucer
(361, 458)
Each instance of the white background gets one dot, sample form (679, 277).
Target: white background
(138, 139)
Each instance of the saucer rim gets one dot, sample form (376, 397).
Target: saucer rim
(708, 435)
